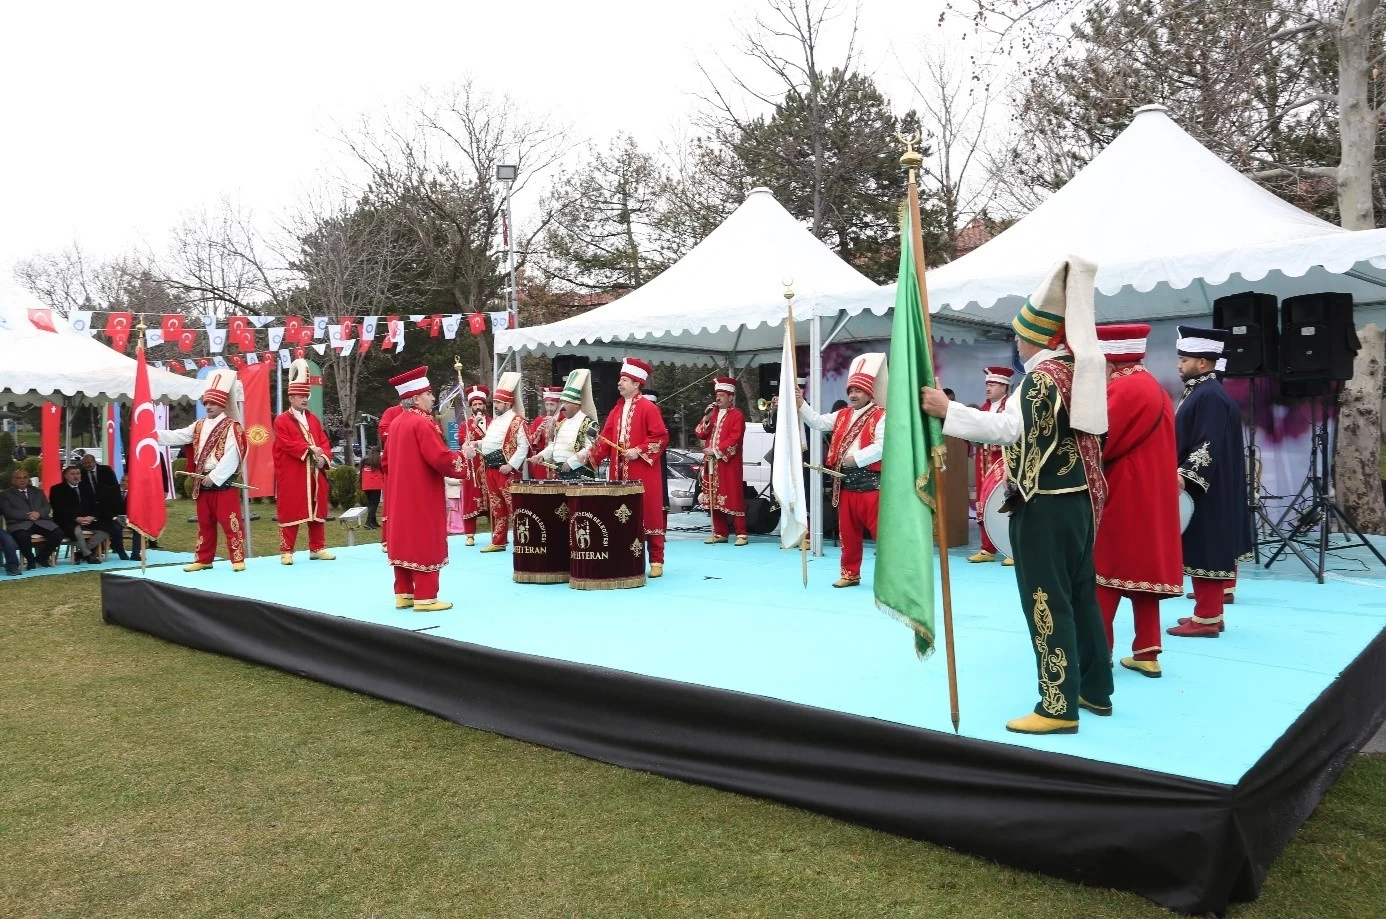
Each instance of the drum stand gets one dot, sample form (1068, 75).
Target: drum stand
(1313, 506)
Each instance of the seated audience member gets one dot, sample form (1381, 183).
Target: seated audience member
(10, 551)
(28, 518)
(76, 511)
(119, 523)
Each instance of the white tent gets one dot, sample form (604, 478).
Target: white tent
(1171, 227)
(723, 300)
(37, 365)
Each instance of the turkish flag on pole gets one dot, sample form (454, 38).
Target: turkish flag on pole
(144, 506)
(259, 428)
(51, 470)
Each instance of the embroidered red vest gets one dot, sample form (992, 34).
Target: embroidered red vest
(847, 434)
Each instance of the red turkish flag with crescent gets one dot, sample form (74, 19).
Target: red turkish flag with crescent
(173, 327)
(42, 319)
(477, 322)
(187, 340)
(118, 329)
(259, 428)
(239, 333)
(293, 329)
(144, 505)
(51, 468)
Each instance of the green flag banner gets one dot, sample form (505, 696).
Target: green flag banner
(904, 575)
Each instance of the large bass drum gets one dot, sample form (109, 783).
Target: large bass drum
(991, 494)
(1186, 509)
(606, 535)
(540, 521)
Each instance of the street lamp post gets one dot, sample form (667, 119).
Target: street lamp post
(508, 173)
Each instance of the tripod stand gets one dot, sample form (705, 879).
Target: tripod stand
(1313, 506)
(1263, 528)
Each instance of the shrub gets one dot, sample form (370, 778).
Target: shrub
(33, 465)
(344, 483)
(182, 483)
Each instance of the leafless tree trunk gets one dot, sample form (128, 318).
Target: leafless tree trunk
(1357, 459)
(786, 40)
(220, 260)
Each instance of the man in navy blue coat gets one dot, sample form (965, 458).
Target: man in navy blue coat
(1212, 470)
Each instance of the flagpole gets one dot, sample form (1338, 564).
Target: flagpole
(794, 375)
(911, 160)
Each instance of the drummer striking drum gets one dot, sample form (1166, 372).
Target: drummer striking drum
(576, 431)
(989, 457)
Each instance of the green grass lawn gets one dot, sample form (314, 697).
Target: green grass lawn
(139, 778)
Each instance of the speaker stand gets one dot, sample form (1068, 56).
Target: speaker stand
(1313, 507)
(1264, 530)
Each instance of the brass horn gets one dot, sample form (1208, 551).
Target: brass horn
(763, 404)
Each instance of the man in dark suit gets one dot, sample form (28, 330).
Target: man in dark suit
(27, 514)
(101, 482)
(77, 511)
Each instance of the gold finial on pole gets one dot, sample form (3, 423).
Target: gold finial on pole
(911, 159)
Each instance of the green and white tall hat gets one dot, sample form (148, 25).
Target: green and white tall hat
(1061, 311)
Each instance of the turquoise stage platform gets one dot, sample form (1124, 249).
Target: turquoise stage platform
(740, 619)
(729, 672)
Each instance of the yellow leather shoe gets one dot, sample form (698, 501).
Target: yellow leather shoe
(384, 548)
(1039, 724)
(238, 566)
(471, 540)
(1099, 710)
(403, 601)
(197, 566)
(322, 555)
(1144, 668)
(431, 606)
(983, 556)
(847, 582)
(713, 540)
(1008, 562)
(656, 570)
(741, 540)
(492, 548)
(286, 558)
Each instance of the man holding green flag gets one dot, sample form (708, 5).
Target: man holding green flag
(904, 578)
(1055, 492)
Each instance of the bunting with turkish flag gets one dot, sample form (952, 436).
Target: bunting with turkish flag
(172, 324)
(118, 329)
(239, 334)
(42, 319)
(144, 505)
(259, 428)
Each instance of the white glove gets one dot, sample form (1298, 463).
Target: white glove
(573, 462)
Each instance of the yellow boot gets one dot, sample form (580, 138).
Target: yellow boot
(982, 556)
(1039, 724)
(656, 570)
(493, 548)
(1144, 668)
(238, 566)
(741, 540)
(1008, 562)
(322, 555)
(471, 540)
(845, 581)
(714, 539)
(286, 558)
(431, 606)
(1100, 710)
(197, 566)
(404, 601)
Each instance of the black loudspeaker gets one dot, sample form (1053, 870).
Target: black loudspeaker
(1318, 339)
(760, 516)
(1252, 350)
(769, 380)
(604, 376)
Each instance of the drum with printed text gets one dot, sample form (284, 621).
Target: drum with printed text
(539, 518)
(606, 535)
(991, 494)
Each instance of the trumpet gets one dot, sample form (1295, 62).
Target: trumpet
(763, 404)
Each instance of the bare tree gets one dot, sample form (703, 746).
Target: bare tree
(74, 279)
(220, 259)
(355, 258)
(1347, 34)
(955, 108)
(439, 167)
(786, 42)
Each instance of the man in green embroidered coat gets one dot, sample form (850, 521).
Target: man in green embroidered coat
(1051, 430)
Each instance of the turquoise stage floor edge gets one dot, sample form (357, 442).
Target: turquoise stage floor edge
(738, 619)
(112, 563)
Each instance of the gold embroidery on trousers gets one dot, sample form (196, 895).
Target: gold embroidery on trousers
(1053, 665)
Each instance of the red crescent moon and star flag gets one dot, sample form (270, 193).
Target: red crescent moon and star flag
(144, 506)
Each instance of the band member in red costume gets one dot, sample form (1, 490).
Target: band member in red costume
(722, 431)
(302, 454)
(858, 440)
(1138, 553)
(541, 431)
(998, 383)
(503, 449)
(419, 461)
(472, 420)
(634, 437)
(218, 445)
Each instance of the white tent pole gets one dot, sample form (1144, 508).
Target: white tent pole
(67, 435)
(815, 398)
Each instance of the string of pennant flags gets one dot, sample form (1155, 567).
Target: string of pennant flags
(292, 339)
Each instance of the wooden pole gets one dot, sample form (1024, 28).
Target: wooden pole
(911, 160)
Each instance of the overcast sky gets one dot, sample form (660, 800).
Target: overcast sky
(119, 117)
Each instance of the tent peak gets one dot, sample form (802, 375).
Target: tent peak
(1153, 107)
(759, 190)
